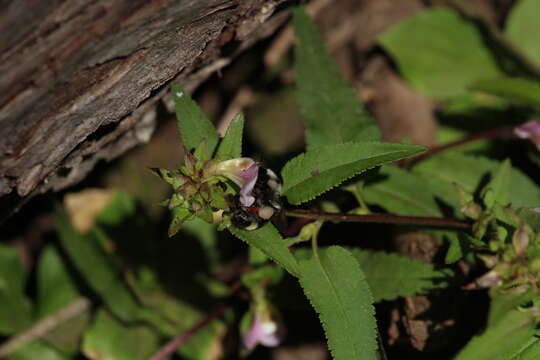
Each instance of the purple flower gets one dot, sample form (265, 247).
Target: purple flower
(529, 130)
(262, 331)
(243, 172)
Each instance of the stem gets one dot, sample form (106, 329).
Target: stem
(483, 135)
(169, 348)
(380, 218)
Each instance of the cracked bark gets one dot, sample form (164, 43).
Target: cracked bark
(81, 79)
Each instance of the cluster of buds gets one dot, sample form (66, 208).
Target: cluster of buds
(207, 189)
(514, 262)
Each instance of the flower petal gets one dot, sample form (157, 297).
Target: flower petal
(249, 177)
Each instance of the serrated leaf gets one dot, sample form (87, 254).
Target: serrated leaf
(398, 193)
(231, 144)
(469, 171)
(504, 340)
(439, 52)
(337, 289)
(519, 91)
(391, 275)
(522, 27)
(268, 240)
(110, 339)
(97, 268)
(329, 105)
(193, 125)
(15, 308)
(314, 172)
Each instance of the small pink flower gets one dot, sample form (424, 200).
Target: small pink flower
(262, 331)
(529, 130)
(243, 172)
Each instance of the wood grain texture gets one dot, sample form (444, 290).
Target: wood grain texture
(81, 78)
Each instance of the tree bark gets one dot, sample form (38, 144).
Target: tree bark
(81, 78)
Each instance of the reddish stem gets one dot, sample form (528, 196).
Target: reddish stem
(380, 218)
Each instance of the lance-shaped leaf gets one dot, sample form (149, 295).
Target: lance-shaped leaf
(231, 144)
(193, 125)
(337, 289)
(314, 172)
(328, 104)
(268, 240)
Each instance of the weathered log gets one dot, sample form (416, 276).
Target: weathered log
(80, 79)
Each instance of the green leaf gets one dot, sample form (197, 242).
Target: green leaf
(532, 351)
(337, 289)
(314, 172)
(505, 340)
(496, 191)
(268, 240)
(231, 145)
(469, 171)
(455, 249)
(37, 350)
(522, 27)
(519, 91)
(329, 105)
(398, 193)
(56, 290)
(15, 309)
(193, 125)
(110, 339)
(504, 302)
(390, 275)
(101, 273)
(439, 52)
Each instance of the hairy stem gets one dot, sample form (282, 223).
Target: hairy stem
(380, 218)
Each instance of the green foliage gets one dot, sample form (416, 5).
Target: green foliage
(268, 240)
(468, 171)
(522, 27)
(520, 91)
(390, 275)
(439, 52)
(99, 271)
(108, 338)
(37, 350)
(314, 172)
(15, 309)
(337, 289)
(507, 339)
(56, 290)
(398, 193)
(328, 104)
(231, 144)
(496, 191)
(194, 126)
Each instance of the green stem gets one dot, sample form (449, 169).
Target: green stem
(380, 218)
